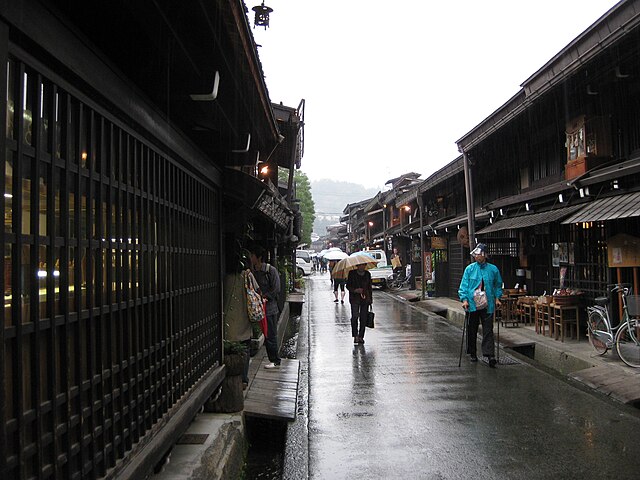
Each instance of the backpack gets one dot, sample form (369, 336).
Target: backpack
(254, 299)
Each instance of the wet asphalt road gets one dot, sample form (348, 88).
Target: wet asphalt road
(400, 407)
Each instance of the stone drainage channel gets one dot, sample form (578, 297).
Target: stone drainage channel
(267, 438)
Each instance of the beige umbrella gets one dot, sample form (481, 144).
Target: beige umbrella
(344, 266)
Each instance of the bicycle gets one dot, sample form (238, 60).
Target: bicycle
(398, 280)
(625, 337)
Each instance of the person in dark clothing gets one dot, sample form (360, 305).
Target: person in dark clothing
(360, 298)
(269, 281)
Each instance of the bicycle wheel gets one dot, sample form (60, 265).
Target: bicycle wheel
(395, 285)
(597, 322)
(628, 344)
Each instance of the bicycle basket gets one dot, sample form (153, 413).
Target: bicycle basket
(633, 305)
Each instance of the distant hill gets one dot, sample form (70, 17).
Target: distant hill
(330, 197)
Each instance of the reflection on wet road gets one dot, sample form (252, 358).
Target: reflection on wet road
(400, 407)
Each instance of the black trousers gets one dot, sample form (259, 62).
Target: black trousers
(359, 313)
(475, 318)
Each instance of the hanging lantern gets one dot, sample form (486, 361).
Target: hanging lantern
(262, 15)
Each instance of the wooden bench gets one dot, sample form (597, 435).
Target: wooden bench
(273, 393)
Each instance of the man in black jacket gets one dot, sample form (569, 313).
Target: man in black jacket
(360, 297)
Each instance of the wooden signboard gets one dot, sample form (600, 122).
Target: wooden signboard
(623, 251)
(438, 243)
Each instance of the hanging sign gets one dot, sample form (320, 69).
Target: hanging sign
(426, 267)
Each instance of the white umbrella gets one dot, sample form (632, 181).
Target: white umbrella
(361, 253)
(335, 255)
(323, 253)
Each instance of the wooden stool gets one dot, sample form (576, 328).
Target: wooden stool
(566, 316)
(543, 317)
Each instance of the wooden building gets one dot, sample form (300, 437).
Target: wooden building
(123, 120)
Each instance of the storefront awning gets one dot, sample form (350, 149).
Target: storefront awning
(610, 208)
(523, 221)
(459, 221)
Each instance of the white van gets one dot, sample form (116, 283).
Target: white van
(304, 266)
(379, 255)
(379, 275)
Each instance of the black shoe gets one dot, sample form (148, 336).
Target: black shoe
(492, 362)
(473, 358)
(335, 301)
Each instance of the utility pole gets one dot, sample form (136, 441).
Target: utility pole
(471, 212)
(421, 207)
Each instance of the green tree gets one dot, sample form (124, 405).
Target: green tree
(303, 193)
(307, 206)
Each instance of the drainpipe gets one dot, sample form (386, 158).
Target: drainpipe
(471, 217)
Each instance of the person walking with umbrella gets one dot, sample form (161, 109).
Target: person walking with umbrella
(480, 291)
(360, 298)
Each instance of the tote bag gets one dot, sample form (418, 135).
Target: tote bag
(255, 306)
(371, 316)
(480, 297)
(263, 321)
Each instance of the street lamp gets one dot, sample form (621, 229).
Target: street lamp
(261, 18)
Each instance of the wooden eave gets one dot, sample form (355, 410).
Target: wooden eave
(166, 53)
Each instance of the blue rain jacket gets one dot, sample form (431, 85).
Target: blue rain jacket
(473, 275)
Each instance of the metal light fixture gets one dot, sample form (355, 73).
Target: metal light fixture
(527, 206)
(263, 170)
(261, 18)
(560, 198)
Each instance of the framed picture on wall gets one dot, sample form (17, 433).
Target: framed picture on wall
(555, 255)
(563, 252)
(572, 259)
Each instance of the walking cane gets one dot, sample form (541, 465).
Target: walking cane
(498, 338)
(464, 327)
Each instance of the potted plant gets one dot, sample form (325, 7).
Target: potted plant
(234, 353)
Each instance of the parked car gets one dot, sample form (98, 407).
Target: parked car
(304, 266)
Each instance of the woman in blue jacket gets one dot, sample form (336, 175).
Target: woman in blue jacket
(485, 277)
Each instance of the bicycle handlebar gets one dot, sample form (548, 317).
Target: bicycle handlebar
(617, 287)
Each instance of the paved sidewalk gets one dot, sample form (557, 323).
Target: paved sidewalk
(575, 358)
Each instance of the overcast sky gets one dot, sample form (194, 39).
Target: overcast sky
(391, 85)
